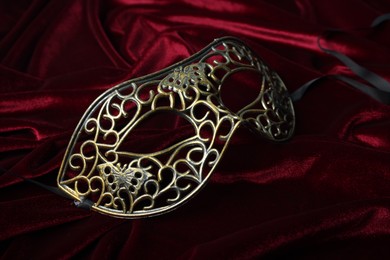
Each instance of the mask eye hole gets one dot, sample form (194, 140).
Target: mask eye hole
(240, 89)
(159, 131)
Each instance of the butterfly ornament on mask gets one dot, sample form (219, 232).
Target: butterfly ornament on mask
(101, 165)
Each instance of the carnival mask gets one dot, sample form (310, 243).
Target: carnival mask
(105, 164)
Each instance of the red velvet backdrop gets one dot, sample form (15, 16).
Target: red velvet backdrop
(324, 194)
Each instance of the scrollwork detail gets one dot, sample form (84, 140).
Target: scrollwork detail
(124, 183)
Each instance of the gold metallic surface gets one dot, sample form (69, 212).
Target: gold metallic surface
(120, 182)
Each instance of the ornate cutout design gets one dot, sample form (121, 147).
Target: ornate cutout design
(99, 165)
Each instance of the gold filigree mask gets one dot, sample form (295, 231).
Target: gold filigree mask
(102, 168)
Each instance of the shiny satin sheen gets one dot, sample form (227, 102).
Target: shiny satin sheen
(323, 194)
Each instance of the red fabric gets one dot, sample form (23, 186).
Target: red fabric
(322, 195)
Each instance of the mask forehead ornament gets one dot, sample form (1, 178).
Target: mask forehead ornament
(101, 168)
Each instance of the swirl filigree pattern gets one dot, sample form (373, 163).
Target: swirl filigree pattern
(99, 167)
